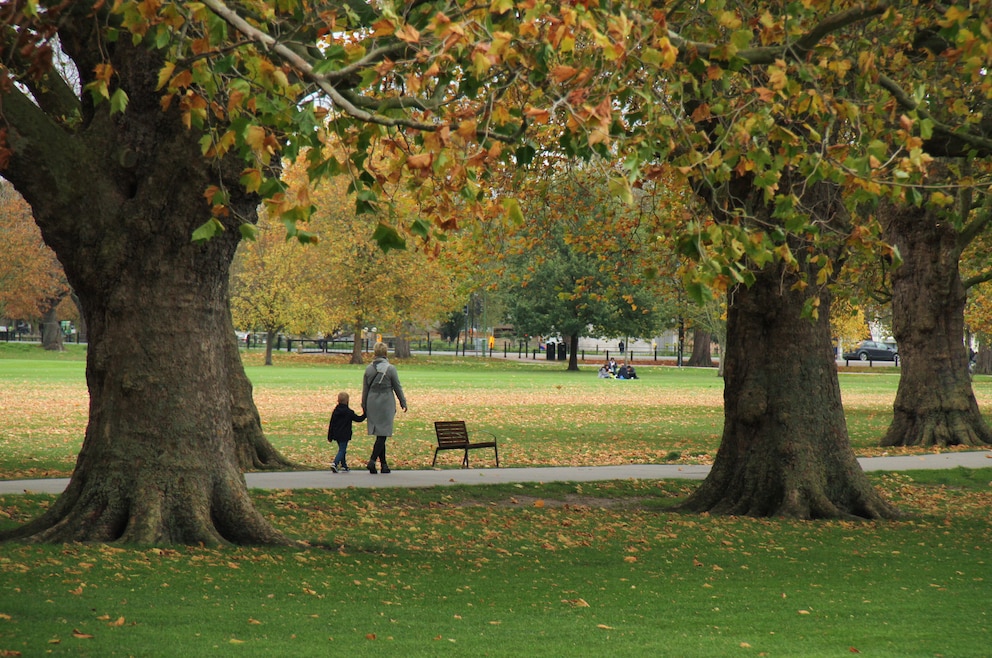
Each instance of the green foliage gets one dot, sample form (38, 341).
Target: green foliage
(584, 260)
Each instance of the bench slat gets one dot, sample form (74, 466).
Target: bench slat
(453, 435)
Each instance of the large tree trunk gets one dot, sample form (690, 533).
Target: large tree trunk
(573, 352)
(401, 348)
(983, 360)
(785, 448)
(51, 330)
(701, 356)
(356, 347)
(935, 404)
(253, 449)
(118, 199)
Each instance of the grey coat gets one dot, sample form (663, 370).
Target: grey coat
(379, 386)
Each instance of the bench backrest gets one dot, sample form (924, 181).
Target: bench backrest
(451, 432)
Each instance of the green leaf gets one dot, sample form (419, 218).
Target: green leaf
(248, 231)
(420, 228)
(118, 102)
(209, 229)
(387, 238)
(513, 212)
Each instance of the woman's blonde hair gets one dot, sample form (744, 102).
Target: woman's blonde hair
(380, 349)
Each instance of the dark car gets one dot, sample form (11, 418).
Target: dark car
(874, 350)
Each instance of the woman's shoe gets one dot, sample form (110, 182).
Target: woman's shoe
(372, 468)
(386, 470)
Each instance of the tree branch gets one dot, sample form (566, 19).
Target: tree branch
(796, 50)
(344, 102)
(979, 142)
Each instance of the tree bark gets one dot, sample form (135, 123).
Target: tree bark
(983, 360)
(401, 350)
(270, 339)
(117, 198)
(356, 347)
(785, 448)
(51, 330)
(701, 356)
(573, 352)
(935, 404)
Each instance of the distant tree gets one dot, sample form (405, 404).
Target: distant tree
(583, 263)
(32, 282)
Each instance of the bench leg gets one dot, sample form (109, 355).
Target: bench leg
(465, 459)
(496, 450)
(434, 461)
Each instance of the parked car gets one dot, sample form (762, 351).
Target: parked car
(874, 350)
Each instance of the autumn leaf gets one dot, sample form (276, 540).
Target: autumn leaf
(81, 635)
(119, 622)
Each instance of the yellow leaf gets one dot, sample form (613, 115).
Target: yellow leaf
(118, 622)
(165, 74)
(604, 627)
(804, 612)
(538, 503)
(255, 137)
(408, 33)
(81, 635)
(480, 63)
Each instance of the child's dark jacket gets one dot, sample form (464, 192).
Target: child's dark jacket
(339, 429)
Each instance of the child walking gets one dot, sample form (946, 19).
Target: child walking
(339, 429)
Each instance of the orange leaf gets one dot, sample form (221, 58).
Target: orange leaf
(81, 635)
(119, 622)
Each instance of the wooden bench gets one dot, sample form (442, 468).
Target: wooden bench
(453, 435)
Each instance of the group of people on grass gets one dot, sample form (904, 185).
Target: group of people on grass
(380, 390)
(611, 370)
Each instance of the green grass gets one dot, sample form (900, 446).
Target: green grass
(559, 569)
(556, 569)
(542, 414)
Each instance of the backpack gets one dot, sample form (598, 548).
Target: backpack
(380, 380)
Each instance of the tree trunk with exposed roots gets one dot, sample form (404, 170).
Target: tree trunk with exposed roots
(171, 420)
(785, 448)
(935, 404)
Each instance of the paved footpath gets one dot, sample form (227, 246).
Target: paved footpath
(450, 476)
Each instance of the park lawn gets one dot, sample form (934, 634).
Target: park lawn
(542, 414)
(558, 569)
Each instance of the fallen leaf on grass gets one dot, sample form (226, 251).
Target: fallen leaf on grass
(81, 635)
(9, 652)
(745, 645)
(253, 621)
(804, 612)
(578, 603)
(604, 627)
(118, 622)
(370, 636)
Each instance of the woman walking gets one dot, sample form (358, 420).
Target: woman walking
(380, 389)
